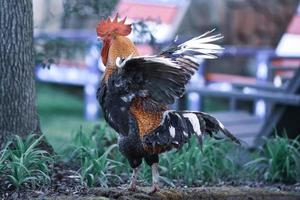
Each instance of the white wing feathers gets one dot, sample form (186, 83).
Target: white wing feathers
(191, 50)
(201, 46)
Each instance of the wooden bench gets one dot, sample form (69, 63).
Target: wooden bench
(281, 102)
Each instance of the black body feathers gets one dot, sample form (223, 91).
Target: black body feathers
(158, 81)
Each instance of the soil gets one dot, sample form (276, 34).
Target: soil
(65, 185)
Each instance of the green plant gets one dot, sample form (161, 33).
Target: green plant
(215, 161)
(26, 163)
(97, 169)
(220, 160)
(186, 164)
(3, 158)
(279, 160)
(96, 142)
(97, 155)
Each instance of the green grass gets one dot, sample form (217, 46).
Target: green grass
(97, 154)
(3, 158)
(100, 163)
(215, 104)
(215, 161)
(22, 162)
(61, 114)
(279, 160)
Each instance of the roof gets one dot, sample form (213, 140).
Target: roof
(162, 16)
(136, 10)
(289, 44)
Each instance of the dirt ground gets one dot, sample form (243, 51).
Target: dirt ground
(201, 193)
(65, 185)
(196, 193)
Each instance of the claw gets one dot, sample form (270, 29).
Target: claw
(132, 186)
(153, 189)
(155, 177)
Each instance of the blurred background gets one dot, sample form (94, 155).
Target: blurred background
(253, 88)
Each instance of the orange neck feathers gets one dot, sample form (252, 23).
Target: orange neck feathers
(120, 47)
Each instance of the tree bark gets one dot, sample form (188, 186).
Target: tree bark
(18, 114)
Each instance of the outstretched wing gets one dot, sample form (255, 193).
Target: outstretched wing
(162, 78)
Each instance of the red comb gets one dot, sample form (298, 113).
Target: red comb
(108, 26)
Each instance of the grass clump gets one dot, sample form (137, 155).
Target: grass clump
(100, 160)
(219, 160)
(215, 161)
(23, 163)
(101, 163)
(96, 170)
(3, 158)
(279, 160)
(97, 155)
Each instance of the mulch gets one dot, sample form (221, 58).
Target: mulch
(65, 183)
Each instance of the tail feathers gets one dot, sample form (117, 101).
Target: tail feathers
(212, 125)
(203, 123)
(177, 127)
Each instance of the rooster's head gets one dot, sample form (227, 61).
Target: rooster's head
(108, 30)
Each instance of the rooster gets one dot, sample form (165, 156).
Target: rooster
(136, 90)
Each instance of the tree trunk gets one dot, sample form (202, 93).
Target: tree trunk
(18, 114)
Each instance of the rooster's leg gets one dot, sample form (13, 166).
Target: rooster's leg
(155, 177)
(132, 185)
